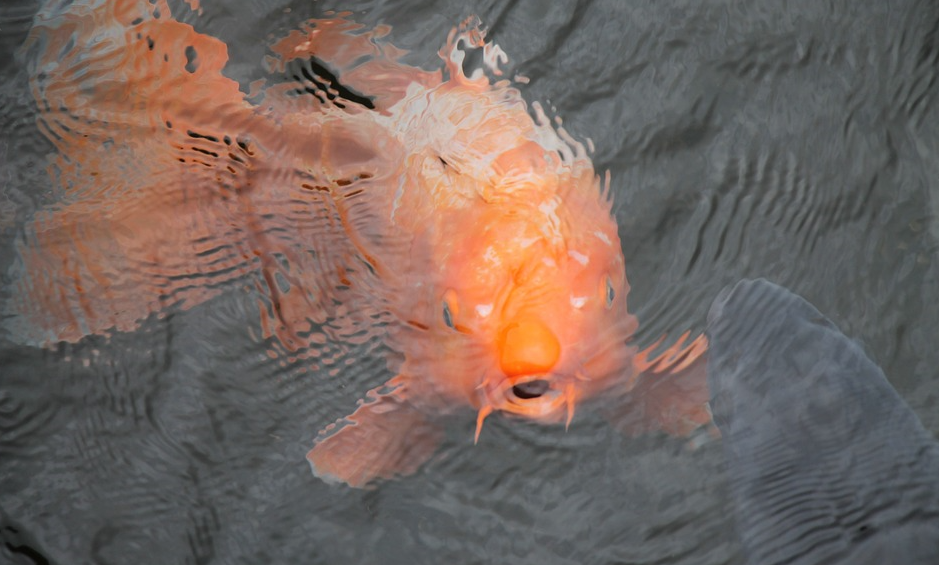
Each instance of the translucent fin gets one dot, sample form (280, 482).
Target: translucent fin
(385, 437)
(670, 393)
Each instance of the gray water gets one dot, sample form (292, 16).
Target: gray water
(794, 141)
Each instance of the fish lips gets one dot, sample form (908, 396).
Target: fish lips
(544, 397)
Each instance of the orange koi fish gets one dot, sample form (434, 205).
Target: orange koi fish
(359, 197)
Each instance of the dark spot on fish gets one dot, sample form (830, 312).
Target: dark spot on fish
(343, 182)
(137, 22)
(196, 135)
(227, 140)
(169, 124)
(244, 146)
(192, 59)
(369, 263)
(319, 81)
(205, 151)
(531, 389)
(150, 43)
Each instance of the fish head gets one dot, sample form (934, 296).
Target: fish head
(561, 333)
(517, 276)
(535, 299)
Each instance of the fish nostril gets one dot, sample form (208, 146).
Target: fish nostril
(531, 389)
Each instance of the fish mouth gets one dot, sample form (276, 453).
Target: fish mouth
(547, 398)
(530, 390)
(533, 396)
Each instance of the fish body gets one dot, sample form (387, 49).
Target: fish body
(360, 188)
(512, 291)
(516, 261)
(826, 463)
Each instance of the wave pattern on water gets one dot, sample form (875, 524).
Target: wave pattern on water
(794, 141)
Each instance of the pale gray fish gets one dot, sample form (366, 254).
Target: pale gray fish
(826, 463)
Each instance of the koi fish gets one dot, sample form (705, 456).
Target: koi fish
(826, 462)
(359, 197)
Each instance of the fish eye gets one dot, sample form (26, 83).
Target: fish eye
(610, 293)
(450, 309)
(447, 315)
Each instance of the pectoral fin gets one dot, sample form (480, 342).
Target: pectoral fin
(670, 392)
(385, 437)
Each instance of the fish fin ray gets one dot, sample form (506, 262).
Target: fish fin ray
(384, 438)
(670, 392)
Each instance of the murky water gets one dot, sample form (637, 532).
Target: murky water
(796, 143)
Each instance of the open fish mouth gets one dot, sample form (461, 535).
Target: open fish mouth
(533, 396)
(531, 390)
(546, 398)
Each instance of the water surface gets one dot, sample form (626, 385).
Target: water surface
(796, 142)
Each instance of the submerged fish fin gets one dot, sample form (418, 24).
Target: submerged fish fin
(340, 63)
(385, 437)
(674, 359)
(174, 188)
(670, 392)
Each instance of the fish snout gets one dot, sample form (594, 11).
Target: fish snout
(530, 385)
(528, 347)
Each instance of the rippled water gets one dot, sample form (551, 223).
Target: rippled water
(796, 142)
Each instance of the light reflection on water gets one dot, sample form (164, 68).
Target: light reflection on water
(742, 141)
